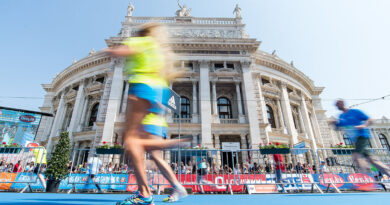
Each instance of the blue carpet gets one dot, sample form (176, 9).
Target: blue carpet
(267, 199)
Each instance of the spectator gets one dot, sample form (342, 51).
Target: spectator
(17, 167)
(30, 167)
(314, 169)
(323, 168)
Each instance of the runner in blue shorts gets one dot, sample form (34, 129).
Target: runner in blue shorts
(149, 68)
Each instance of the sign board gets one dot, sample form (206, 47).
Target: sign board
(299, 148)
(231, 146)
(171, 100)
(18, 126)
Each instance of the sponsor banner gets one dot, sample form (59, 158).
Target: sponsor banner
(386, 181)
(126, 182)
(105, 181)
(345, 181)
(262, 189)
(23, 179)
(6, 177)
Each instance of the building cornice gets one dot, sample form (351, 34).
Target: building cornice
(274, 62)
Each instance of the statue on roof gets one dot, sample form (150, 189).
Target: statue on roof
(237, 10)
(183, 11)
(130, 9)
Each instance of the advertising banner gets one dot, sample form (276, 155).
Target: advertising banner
(4, 178)
(345, 181)
(18, 126)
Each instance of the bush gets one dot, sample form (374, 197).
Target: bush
(57, 166)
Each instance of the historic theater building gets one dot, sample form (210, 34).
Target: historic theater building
(232, 94)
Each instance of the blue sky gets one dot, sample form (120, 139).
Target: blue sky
(340, 44)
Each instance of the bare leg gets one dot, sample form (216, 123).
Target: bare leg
(138, 108)
(40, 177)
(361, 162)
(378, 164)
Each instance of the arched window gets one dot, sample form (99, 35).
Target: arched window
(347, 140)
(384, 142)
(224, 108)
(93, 116)
(185, 108)
(270, 116)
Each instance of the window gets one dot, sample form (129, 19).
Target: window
(347, 140)
(384, 142)
(100, 80)
(189, 65)
(224, 108)
(93, 116)
(264, 81)
(218, 66)
(230, 66)
(185, 108)
(270, 116)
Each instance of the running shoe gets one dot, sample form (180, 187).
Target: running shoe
(178, 193)
(137, 199)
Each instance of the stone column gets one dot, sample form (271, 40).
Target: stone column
(288, 114)
(113, 102)
(263, 109)
(244, 154)
(124, 100)
(251, 103)
(241, 117)
(78, 106)
(83, 114)
(214, 102)
(194, 103)
(306, 119)
(280, 114)
(303, 126)
(316, 126)
(57, 122)
(169, 111)
(373, 140)
(205, 107)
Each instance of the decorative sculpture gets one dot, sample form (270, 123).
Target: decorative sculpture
(183, 11)
(237, 10)
(130, 9)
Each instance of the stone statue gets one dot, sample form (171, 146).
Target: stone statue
(183, 11)
(237, 10)
(130, 9)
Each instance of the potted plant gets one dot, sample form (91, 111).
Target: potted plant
(341, 149)
(275, 148)
(107, 149)
(10, 148)
(57, 166)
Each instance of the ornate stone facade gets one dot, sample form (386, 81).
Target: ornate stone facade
(232, 92)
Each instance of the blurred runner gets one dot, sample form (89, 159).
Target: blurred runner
(279, 169)
(355, 124)
(94, 164)
(149, 67)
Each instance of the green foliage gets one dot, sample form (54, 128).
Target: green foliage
(275, 145)
(57, 167)
(342, 146)
(106, 146)
(10, 145)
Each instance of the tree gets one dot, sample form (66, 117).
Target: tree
(57, 166)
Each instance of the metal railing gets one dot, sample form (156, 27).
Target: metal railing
(228, 121)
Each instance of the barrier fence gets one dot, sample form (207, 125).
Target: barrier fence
(20, 167)
(212, 171)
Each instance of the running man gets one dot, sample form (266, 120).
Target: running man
(40, 155)
(279, 169)
(94, 164)
(149, 67)
(355, 123)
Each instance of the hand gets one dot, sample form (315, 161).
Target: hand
(359, 127)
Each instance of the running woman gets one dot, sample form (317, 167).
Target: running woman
(149, 67)
(355, 123)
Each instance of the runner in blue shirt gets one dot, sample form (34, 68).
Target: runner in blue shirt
(355, 123)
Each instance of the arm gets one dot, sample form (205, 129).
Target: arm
(120, 51)
(368, 122)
